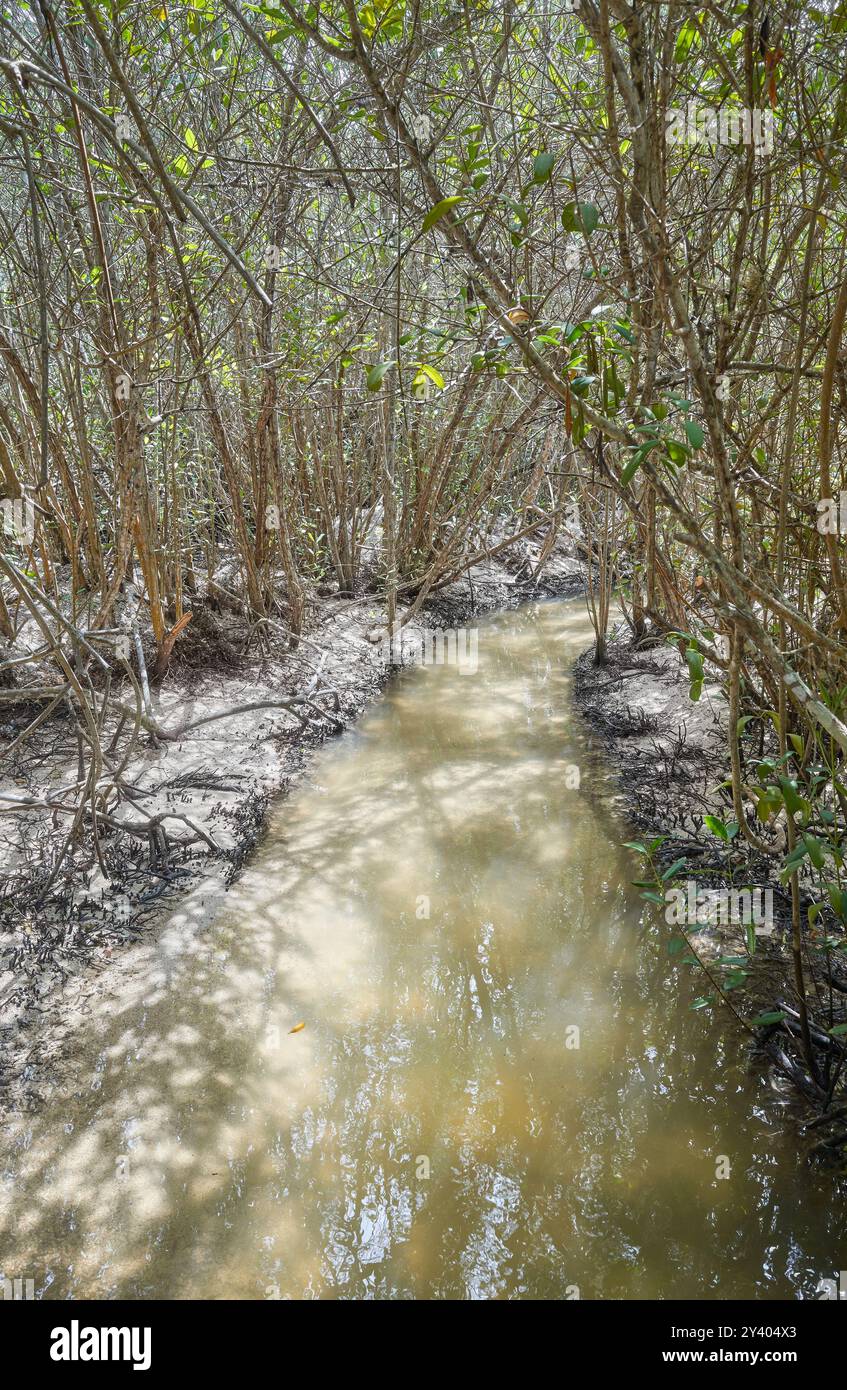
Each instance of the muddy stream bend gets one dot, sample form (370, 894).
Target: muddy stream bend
(500, 1090)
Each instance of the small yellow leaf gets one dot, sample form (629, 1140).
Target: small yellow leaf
(298, 1027)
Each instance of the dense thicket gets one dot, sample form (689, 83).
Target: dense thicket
(366, 291)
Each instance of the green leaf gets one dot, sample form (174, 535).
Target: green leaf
(838, 1031)
(695, 664)
(520, 210)
(190, 138)
(630, 470)
(794, 802)
(837, 899)
(694, 434)
(672, 869)
(767, 804)
(717, 827)
(792, 861)
(762, 1020)
(440, 210)
(376, 374)
(434, 375)
(590, 217)
(580, 217)
(677, 453)
(581, 384)
(816, 851)
(633, 465)
(736, 979)
(542, 167)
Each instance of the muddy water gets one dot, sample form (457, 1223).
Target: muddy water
(449, 917)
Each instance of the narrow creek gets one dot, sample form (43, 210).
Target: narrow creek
(448, 916)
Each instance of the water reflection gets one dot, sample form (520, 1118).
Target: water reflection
(448, 919)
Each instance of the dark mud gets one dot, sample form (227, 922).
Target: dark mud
(672, 767)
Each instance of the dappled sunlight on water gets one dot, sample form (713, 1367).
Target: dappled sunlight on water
(442, 910)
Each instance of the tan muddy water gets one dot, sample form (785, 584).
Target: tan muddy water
(443, 911)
